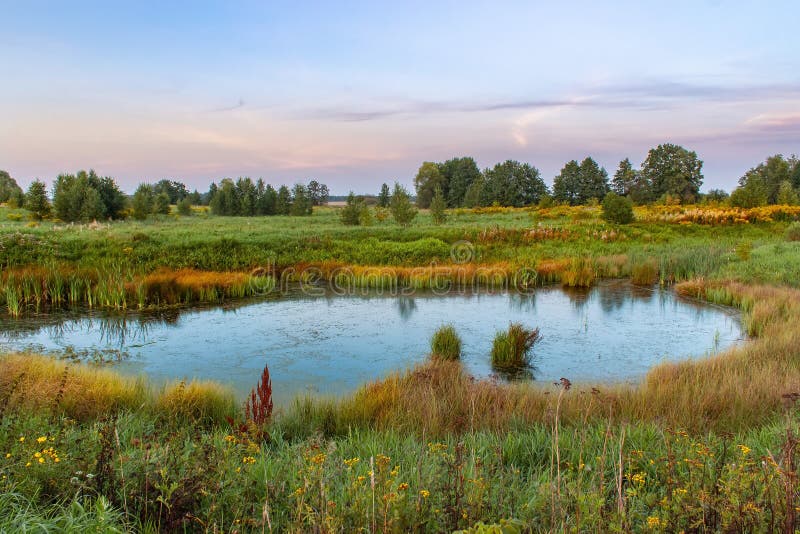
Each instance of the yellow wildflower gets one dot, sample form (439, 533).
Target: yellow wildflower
(424, 494)
(745, 450)
(402, 487)
(351, 462)
(41, 439)
(655, 522)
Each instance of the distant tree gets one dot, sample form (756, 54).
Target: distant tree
(86, 196)
(267, 198)
(161, 204)
(402, 209)
(438, 205)
(473, 198)
(283, 201)
(751, 194)
(247, 193)
(176, 191)
(185, 206)
(143, 201)
(209, 196)
(566, 186)
(318, 193)
(195, 198)
(8, 187)
(36, 200)
(226, 199)
(427, 179)
(512, 183)
(458, 174)
(351, 210)
(301, 202)
(771, 173)
(795, 178)
(624, 179)
(384, 197)
(617, 209)
(672, 170)
(716, 195)
(787, 195)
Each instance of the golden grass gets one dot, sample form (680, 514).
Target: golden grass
(83, 392)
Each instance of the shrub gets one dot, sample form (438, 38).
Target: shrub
(351, 212)
(617, 209)
(445, 343)
(185, 207)
(512, 349)
(793, 232)
(402, 210)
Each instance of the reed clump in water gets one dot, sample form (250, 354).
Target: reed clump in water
(512, 349)
(446, 344)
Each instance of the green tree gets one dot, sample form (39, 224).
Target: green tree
(161, 204)
(226, 199)
(617, 209)
(427, 179)
(176, 191)
(247, 193)
(283, 201)
(512, 183)
(267, 197)
(402, 209)
(716, 196)
(301, 202)
(351, 210)
(473, 198)
(672, 170)
(36, 200)
(566, 186)
(624, 179)
(8, 187)
(459, 174)
(86, 196)
(771, 173)
(751, 194)
(185, 206)
(318, 193)
(787, 195)
(438, 205)
(384, 196)
(579, 183)
(143, 200)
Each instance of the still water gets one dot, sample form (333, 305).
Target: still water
(329, 344)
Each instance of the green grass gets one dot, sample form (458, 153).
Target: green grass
(446, 344)
(512, 348)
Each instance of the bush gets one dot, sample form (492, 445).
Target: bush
(617, 209)
(512, 349)
(185, 207)
(793, 232)
(445, 344)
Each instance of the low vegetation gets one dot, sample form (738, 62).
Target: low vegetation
(446, 344)
(512, 349)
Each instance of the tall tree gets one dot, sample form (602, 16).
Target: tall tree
(428, 177)
(459, 174)
(36, 200)
(318, 193)
(8, 187)
(593, 181)
(438, 205)
(283, 201)
(143, 200)
(672, 170)
(566, 186)
(176, 191)
(86, 196)
(226, 199)
(474, 195)
(624, 179)
(771, 173)
(301, 202)
(512, 183)
(384, 196)
(161, 204)
(402, 210)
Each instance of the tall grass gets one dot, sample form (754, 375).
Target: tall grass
(512, 349)
(446, 344)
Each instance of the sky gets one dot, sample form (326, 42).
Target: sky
(354, 94)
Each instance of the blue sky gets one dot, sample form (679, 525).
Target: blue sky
(356, 94)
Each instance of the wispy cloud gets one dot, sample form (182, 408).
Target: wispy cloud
(238, 105)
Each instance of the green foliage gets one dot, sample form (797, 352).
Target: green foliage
(426, 181)
(185, 207)
(143, 201)
(716, 196)
(580, 183)
(512, 349)
(672, 170)
(86, 196)
(752, 193)
(624, 178)
(459, 174)
(438, 206)
(36, 200)
(317, 193)
(768, 177)
(175, 191)
(512, 183)
(446, 344)
(352, 210)
(8, 188)
(301, 202)
(283, 201)
(787, 195)
(384, 197)
(402, 209)
(473, 198)
(161, 204)
(617, 209)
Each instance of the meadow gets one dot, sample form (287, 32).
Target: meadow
(702, 445)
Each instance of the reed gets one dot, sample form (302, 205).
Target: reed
(512, 349)
(446, 344)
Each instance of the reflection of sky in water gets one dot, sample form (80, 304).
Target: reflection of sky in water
(331, 345)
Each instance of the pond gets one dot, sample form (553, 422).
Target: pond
(330, 344)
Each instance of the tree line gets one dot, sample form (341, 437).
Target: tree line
(85, 196)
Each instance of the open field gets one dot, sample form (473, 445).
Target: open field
(702, 445)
